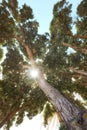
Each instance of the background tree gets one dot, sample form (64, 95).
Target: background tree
(67, 65)
(70, 69)
(59, 67)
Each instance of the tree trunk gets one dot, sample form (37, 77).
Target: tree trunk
(73, 116)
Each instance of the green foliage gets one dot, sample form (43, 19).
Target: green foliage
(48, 112)
(62, 127)
(6, 27)
(18, 92)
(61, 22)
(15, 94)
(82, 9)
(20, 117)
(58, 72)
(1, 53)
(81, 23)
(25, 13)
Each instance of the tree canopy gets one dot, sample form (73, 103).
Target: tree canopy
(64, 69)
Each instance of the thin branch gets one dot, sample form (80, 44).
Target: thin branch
(78, 71)
(77, 36)
(82, 50)
(28, 50)
(13, 112)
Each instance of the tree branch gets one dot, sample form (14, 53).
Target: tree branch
(13, 112)
(78, 71)
(77, 36)
(28, 50)
(82, 50)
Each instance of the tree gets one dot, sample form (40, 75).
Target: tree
(24, 44)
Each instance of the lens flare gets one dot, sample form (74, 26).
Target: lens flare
(34, 73)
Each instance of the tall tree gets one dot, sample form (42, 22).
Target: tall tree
(70, 64)
(19, 33)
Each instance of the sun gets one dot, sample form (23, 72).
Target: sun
(34, 73)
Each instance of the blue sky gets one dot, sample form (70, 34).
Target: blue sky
(42, 10)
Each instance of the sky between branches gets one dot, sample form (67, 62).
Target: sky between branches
(42, 10)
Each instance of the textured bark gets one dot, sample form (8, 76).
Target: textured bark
(72, 115)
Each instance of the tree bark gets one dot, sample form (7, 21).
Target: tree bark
(78, 36)
(84, 73)
(80, 49)
(72, 115)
